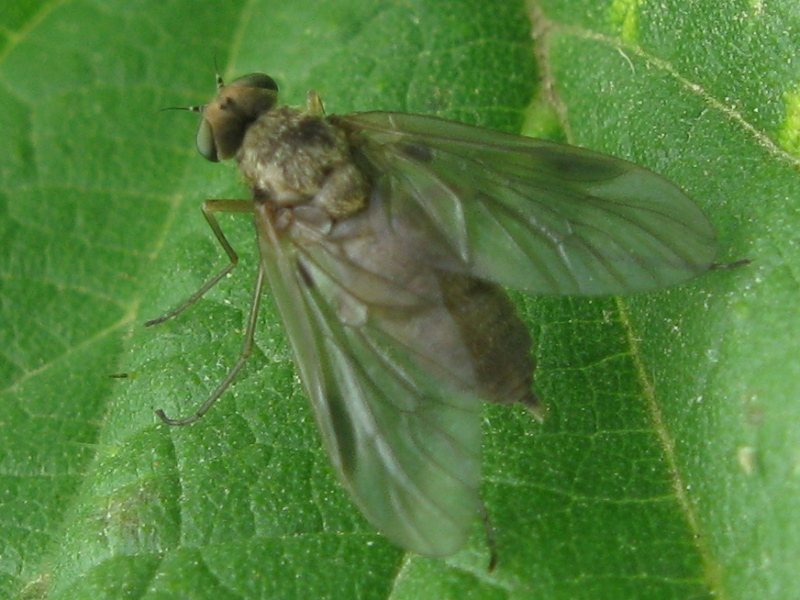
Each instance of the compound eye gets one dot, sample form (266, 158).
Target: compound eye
(256, 80)
(206, 145)
(228, 116)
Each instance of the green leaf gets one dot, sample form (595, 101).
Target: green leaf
(668, 466)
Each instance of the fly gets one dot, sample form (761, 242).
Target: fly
(386, 240)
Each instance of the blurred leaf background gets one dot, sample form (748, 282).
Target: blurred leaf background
(669, 466)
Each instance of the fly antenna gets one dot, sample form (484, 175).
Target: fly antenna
(195, 109)
(220, 82)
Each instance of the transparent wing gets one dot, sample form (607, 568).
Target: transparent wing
(536, 215)
(390, 385)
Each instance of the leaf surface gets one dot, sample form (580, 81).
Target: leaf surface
(668, 464)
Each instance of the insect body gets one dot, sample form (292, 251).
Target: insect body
(385, 239)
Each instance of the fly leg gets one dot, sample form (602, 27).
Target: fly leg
(209, 208)
(247, 348)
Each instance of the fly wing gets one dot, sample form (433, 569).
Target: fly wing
(388, 376)
(536, 215)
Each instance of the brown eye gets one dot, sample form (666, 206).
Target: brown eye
(256, 80)
(227, 117)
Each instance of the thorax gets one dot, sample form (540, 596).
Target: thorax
(288, 154)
